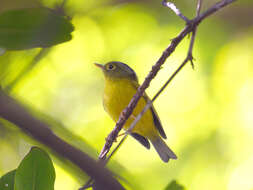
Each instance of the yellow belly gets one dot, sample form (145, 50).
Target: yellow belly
(117, 95)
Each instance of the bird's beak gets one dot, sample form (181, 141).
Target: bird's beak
(99, 65)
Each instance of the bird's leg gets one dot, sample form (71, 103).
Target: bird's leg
(119, 136)
(122, 134)
(132, 116)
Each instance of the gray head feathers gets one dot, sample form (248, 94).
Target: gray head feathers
(115, 69)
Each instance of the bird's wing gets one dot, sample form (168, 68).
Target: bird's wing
(158, 122)
(141, 139)
(156, 119)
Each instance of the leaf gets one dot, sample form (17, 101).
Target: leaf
(33, 27)
(35, 172)
(173, 185)
(7, 181)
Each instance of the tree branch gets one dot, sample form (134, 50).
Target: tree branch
(188, 58)
(191, 26)
(189, 55)
(28, 68)
(173, 7)
(17, 114)
(174, 43)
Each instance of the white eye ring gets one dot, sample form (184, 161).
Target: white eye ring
(111, 67)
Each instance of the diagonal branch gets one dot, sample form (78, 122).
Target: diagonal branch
(190, 27)
(174, 43)
(188, 58)
(15, 113)
(28, 68)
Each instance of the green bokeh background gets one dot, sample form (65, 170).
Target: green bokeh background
(207, 113)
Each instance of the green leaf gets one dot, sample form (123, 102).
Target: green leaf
(7, 181)
(173, 185)
(33, 27)
(35, 172)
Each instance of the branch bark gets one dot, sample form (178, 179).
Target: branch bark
(17, 114)
(173, 7)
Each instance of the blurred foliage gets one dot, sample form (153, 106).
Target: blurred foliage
(7, 181)
(173, 185)
(206, 113)
(33, 27)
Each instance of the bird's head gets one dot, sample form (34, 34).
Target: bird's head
(117, 70)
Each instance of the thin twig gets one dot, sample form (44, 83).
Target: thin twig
(199, 5)
(28, 68)
(190, 56)
(149, 104)
(190, 27)
(173, 7)
(139, 116)
(174, 43)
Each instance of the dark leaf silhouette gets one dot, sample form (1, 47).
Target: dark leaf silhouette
(33, 27)
(173, 185)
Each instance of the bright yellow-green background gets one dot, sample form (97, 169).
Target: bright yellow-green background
(207, 113)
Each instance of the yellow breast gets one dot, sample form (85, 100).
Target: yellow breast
(117, 95)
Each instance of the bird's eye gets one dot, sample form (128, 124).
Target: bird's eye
(110, 67)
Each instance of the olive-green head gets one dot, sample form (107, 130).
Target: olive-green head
(116, 70)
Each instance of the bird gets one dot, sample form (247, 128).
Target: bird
(121, 84)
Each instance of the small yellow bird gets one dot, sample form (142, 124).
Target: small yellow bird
(121, 84)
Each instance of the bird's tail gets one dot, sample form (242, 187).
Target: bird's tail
(163, 150)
